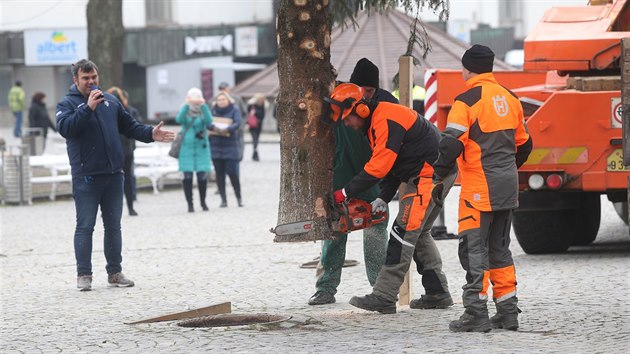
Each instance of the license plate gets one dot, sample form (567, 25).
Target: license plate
(614, 162)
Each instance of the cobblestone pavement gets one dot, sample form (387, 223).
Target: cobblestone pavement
(577, 302)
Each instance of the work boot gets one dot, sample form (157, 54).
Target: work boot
(371, 302)
(507, 321)
(469, 322)
(84, 282)
(437, 301)
(321, 298)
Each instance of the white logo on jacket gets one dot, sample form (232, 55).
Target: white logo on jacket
(500, 105)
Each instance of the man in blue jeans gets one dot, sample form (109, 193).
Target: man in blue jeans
(91, 121)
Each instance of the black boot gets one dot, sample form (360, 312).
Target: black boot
(321, 298)
(202, 193)
(507, 314)
(236, 184)
(188, 193)
(255, 156)
(372, 302)
(471, 322)
(437, 301)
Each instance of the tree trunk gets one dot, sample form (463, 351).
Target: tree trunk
(306, 144)
(105, 40)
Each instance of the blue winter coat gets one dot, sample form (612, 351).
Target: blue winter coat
(223, 147)
(92, 137)
(194, 155)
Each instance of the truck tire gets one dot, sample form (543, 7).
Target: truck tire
(541, 232)
(622, 210)
(586, 220)
(554, 230)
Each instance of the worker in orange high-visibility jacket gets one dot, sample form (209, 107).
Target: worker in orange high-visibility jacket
(404, 145)
(487, 136)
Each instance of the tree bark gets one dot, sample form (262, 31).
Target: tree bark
(306, 144)
(105, 40)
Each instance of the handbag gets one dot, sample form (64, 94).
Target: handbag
(252, 120)
(176, 145)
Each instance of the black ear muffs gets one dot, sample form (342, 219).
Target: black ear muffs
(362, 110)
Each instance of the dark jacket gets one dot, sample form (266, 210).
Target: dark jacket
(92, 137)
(259, 112)
(38, 116)
(226, 147)
(129, 144)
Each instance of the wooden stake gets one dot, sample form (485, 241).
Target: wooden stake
(225, 307)
(405, 88)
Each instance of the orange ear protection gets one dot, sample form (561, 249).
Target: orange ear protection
(361, 109)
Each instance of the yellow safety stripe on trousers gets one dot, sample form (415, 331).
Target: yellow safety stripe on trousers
(541, 156)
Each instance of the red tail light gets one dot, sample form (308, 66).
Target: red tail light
(554, 181)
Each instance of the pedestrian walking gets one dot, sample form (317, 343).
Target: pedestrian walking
(238, 101)
(224, 145)
(128, 145)
(486, 125)
(256, 109)
(17, 103)
(352, 152)
(91, 120)
(194, 157)
(38, 116)
(403, 146)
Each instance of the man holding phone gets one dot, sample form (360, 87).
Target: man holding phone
(91, 122)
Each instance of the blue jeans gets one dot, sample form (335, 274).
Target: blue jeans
(17, 129)
(89, 192)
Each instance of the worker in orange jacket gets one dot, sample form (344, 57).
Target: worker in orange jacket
(487, 136)
(404, 145)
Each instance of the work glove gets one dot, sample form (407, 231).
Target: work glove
(436, 193)
(339, 196)
(379, 206)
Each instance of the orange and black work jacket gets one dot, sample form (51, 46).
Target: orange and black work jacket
(402, 141)
(487, 135)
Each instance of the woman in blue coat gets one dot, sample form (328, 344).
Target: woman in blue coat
(194, 156)
(224, 145)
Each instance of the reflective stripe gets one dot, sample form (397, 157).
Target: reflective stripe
(506, 296)
(396, 236)
(483, 296)
(459, 127)
(558, 155)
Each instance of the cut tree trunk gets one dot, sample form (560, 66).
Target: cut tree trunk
(105, 40)
(306, 144)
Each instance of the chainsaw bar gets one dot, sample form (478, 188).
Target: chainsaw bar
(294, 228)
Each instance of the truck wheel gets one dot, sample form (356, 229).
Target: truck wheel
(622, 210)
(541, 232)
(586, 220)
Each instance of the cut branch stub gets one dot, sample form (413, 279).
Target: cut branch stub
(305, 16)
(308, 44)
(300, 2)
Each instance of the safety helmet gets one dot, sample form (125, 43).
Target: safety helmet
(346, 99)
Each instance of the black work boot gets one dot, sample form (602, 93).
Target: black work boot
(371, 302)
(507, 321)
(469, 322)
(437, 301)
(507, 314)
(321, 298)
(188, 194)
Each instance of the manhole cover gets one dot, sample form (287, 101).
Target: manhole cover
(229, 319)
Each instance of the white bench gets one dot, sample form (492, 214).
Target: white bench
(59, 168)
(152, 161)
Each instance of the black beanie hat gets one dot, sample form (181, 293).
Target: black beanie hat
(365, 73)
(478, 59)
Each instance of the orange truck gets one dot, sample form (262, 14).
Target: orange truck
(570, 88)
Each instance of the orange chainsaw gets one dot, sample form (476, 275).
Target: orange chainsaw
(350, 215)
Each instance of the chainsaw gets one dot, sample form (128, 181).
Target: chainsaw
(350, 215)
